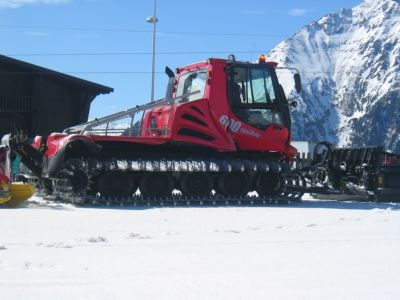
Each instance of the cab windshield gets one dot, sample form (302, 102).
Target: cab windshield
(253, 96)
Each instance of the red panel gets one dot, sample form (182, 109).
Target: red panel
(204, 123)
(56, 140)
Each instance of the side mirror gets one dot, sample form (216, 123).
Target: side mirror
(297, 82)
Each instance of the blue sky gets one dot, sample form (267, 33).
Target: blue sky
(99, 40)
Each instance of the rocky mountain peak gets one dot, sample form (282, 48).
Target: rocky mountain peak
(350, 65)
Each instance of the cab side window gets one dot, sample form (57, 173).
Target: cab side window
(191, 86)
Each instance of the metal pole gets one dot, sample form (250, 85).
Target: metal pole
(154, 21)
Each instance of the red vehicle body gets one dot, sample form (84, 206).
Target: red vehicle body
(234, 113)
(211, 115)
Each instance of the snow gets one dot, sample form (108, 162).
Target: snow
(312, 250)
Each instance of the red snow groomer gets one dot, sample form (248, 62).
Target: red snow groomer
(224, 126)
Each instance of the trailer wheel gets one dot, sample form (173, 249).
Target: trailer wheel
(116, 184)
(196, 184)
(235, 183)
(268, 183)
(156, 184)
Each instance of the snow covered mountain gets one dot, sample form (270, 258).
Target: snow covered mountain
(350, 66)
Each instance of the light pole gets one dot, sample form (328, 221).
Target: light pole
(153, 19)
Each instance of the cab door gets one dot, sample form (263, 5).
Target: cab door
(255, 121)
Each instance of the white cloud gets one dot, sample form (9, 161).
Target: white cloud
(18, 3)
(298, 12)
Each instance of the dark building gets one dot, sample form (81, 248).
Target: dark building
(40, 101)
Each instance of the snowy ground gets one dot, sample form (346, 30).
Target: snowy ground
(311, 250)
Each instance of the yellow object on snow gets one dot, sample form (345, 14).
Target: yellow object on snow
(4, 193)
(14, 194)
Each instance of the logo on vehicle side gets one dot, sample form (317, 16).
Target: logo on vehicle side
(231, 124)
(236, 126)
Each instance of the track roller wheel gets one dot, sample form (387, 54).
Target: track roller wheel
(234, 183)
(156, 184)
(116, 184)
(268, 183)
(196, 184)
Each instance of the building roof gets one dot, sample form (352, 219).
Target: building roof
(31, 68)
